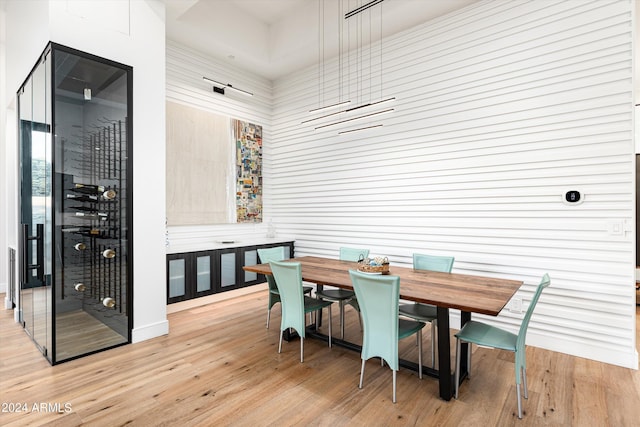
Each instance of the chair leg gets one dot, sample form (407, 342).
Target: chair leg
(268, 317)
(524, 382)
(361, 373)
(280, 345)
(519, 401)
(420, 353)
(394, 386)
(469, 361)
(457, 376)
(301, 350)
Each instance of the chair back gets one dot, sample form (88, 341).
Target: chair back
(527, 317)
(353, 254)
(443, 264)
(288, 277)
(378, 297)
(272, 254)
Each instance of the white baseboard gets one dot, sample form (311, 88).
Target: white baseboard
(150, 331)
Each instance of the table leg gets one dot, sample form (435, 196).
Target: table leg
(444, 355)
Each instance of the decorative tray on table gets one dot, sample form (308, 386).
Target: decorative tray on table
(377, 265)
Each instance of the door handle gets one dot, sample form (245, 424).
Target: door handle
(39, 266)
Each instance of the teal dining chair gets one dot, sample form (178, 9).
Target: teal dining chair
(266, 255)
(378, 297)
(295, 305)
(344, 296)
(481, 334)
(425, 312)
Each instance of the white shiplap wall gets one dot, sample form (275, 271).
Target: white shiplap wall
(185, 69)
(501, 108)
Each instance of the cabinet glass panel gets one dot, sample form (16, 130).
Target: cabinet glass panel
(203, 266)
(250, 258)
(177, 278)
(228, 269)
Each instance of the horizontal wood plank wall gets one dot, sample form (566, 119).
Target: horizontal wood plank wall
(501, 108)
(185, 69)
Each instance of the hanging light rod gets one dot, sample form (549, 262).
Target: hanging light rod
(328, 107)
(348, 110)
(358, 129)
(356, 118)
(369, 104)
(362, 8)
(222, 86)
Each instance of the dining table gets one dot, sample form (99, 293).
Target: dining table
(467, 293)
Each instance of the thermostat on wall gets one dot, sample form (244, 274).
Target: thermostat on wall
(573, 197)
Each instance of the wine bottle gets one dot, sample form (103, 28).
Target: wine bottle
(95, 215)
(80, 287)
(109, 194)
(84, 208)
(82, 197)
(80, 246)
(108, 253)
(93, 232)
(88, 189)
(109, 302)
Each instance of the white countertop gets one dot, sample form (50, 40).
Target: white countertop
(224, 243)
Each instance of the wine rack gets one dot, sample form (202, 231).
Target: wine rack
(92, 211)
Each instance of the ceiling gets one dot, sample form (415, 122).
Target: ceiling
(273, 38)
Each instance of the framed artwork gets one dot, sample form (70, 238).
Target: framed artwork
(248, 142)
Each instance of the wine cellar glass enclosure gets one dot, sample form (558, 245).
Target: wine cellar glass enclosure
(74, 127)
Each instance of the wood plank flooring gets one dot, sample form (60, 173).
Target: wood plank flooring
(219, 366)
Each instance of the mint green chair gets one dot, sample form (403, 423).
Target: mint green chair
(490, 336)
(295, 305)
(344, 296)
(378, 297)
(425, 312)
(266, 255)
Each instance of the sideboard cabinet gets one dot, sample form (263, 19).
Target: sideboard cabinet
(196, 274)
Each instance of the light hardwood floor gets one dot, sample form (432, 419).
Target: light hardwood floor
(220, 366)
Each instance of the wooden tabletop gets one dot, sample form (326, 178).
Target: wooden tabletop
(477, 294)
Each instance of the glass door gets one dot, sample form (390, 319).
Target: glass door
(36, 205)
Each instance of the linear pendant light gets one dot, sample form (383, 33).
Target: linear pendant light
(349, 111)
(328, 107)
(377, 113)
(223, 86)
(359, 129)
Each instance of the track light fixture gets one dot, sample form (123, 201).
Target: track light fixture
(219, 87)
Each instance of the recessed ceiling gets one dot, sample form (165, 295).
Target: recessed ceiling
(273, 38)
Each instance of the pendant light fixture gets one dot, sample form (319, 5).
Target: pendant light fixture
(361, 111)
